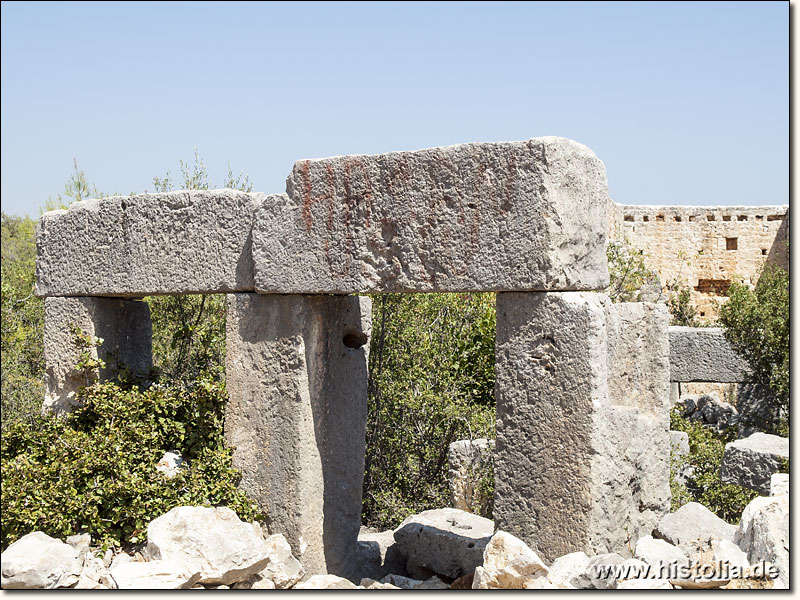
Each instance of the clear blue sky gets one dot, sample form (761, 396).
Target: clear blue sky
(686, 103)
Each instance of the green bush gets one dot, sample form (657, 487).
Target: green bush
(431, 368)
(628, 274)
(757, 326)
(706, 448)
(681, 308)
(94, 470)
(22, 322)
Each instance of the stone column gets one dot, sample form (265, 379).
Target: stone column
(581, 463)
(123, 325)
(297, 382)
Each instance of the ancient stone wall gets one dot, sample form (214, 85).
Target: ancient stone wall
(704, 247)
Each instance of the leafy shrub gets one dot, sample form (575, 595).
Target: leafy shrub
(627, 272)
(706, 448)
(431, 368)
(681, 308)
(95, 469)
(22, 322)
(757, 326)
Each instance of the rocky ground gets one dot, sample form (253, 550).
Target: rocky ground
(194, 547)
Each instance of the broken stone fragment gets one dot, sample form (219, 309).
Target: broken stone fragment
(38, 561)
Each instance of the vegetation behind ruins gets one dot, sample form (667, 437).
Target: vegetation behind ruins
(431, 366)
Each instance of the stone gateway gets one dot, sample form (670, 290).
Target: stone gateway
(582, 456)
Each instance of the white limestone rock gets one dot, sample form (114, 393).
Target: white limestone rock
(659, 554)
(572, 568)
(38, 561)
(779, 484)
(692, 521)
(763, 533)
(156, 574)
(447, 541)
(326, 582)
(750, 462)
(508, 563)
(409, 583)
(226, 549)
(283, 568)
(171, 464)
(644, 584)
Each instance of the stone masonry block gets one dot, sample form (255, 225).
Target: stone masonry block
(296, 373)
(750, 462)
(703, 354)
(183, 242)
(506, 216)
(124, 326)
(582, 452)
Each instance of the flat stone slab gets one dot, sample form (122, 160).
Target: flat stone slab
(750, 462)
(448, 541)
(505, 216)
(184, 242)
(703, 354)
(692, 521)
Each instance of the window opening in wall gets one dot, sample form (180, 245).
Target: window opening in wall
(702, 314)
(629, 218)
(711, 218)
(726, 217)
(718, 287)
(775, 217)
(659, 217)
(731, 243)
(743, 217)
(759, 217)
(691, 217)
(763, 252)
(645, 218)
(677, 218)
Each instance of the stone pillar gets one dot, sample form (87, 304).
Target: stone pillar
(123, 325)
(297, 382)
(581, 412)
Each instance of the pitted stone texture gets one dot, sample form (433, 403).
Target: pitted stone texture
(763, 534)
(296, 372)
(577, 469)
(194, 241)
(124, 326)
(703, 354)
(469, 461)
(447, 541)
(513, 216)
(750, 462)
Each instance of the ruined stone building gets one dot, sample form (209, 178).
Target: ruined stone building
(704, 248)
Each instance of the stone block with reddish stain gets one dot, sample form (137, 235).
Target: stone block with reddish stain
(505, 216)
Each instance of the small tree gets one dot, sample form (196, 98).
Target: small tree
(627, 272)
(757, 326)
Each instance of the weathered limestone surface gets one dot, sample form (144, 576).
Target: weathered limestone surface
(447, 541)
(196, 241)
(750, 462)
(124, 326)
(630, 435)
(703, 354)
(486, 216)
(595, 457)
(468, 462)
(297, 379)
(692, 521)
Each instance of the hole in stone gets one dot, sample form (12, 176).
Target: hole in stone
(471, 545)
(691, 217)
(731, 243)
(726, 217)
(629, 218)
(677, 218)
(645, 218)
(659, 217)
(743, 217)
(711, 218)
(775, 218)
(354, 339)
(763, 252)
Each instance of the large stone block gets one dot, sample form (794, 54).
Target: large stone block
(750, 462)
(123, 325)
(491, 216)
(296, 373)
(581, 464)
(703, 354)
(184, 242)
